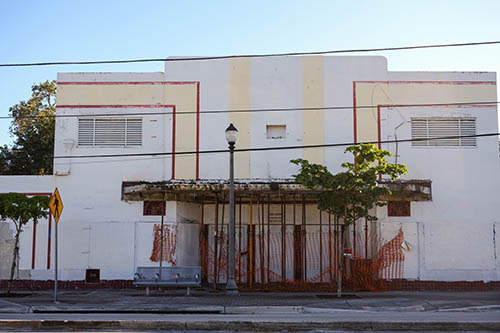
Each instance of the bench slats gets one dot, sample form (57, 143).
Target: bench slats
(179, 276)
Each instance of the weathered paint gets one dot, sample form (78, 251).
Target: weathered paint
(239, 99)
(463, 196)
(413, 92)
(182, 97)
(313, 121)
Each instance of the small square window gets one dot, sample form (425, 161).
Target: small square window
(92, 275)
(398, 208)
(154, 208)
(275, 131)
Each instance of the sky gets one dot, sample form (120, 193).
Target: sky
(62, 30)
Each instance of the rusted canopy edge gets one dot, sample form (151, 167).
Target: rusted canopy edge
(210, 190)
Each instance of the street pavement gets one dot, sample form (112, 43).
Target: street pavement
(251, 311)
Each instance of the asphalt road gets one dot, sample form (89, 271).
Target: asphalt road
(323, 321)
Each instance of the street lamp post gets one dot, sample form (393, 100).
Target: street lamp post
(231, 137)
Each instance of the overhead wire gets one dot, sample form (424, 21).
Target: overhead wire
(222, 111)
(257, 110)
(238, 150)
(265, 55)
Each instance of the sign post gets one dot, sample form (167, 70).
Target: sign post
(56, 207)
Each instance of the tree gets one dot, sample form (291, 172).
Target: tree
(33, 131)
(20, 209)
(351, 194)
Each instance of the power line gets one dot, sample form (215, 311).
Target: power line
(276, 148)
(52, 63)
(222, 111)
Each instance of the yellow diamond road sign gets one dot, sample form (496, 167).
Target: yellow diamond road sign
(56, 205)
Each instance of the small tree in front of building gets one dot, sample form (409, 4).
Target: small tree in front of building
(350, 194)
(20, 209)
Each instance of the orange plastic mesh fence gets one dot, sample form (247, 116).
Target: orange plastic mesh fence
(169, 243)
(304, 263)
(385, 263)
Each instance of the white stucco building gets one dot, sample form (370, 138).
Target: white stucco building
(165, 131)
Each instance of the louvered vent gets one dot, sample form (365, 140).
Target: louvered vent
(429, 128)
(109, 132)
(134, 132)
(86, 132)
(419, 131)
(468, 127)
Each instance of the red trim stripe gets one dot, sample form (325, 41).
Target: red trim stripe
(33, 247)
(460, 106)
(379, 134)
(378, 130)
(198, 130)
(49, 238)
(112, 83)
(100, 106)
(380, 106)
(354, 112)
(34, 193)
(433, 82)
(173, 141)
(414, 82)
(197, 83)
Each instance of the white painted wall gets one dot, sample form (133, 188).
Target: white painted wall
(451, 237)
(455, 238)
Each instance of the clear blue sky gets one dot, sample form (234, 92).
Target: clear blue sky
(62, 30)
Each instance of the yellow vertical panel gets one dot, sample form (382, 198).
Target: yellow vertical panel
(118, 94)
(383, 93)
(312, 96)
(366, 118)
(239, 99)
(184, 97)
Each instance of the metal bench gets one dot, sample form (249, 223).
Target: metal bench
(184, 276)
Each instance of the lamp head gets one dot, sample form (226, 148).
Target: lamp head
(231, 134)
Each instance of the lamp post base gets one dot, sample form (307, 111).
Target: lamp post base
(232, 288)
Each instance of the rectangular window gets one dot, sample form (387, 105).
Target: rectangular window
(424, 128)
(123, 132)
(275, 131)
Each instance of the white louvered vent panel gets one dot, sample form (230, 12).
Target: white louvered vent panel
(134, 132)
(468, 127)
(444, 128)
(110, 132)
(419, 131)
(86, 132)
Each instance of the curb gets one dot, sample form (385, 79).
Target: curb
(479, 308)
(189, 310)
(243, 325)
(262, 309)
(216, 309)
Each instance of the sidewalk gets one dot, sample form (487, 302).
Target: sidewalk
(382, 310)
